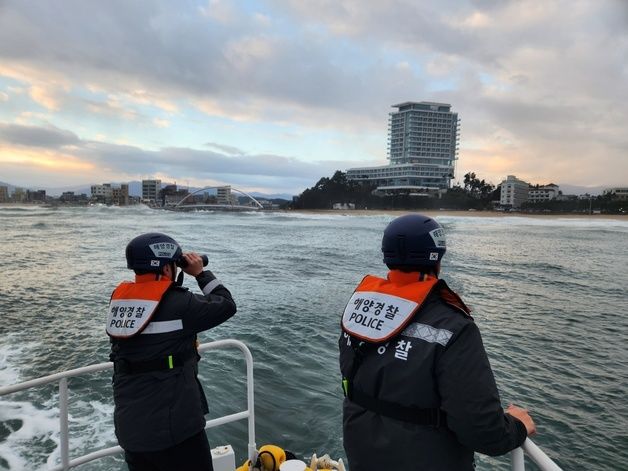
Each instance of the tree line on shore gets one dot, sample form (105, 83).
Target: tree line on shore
(474, 194)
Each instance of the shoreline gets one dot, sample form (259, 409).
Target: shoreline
(457, 213)
(399, 212)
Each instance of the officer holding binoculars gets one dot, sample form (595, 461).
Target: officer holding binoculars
(152, 324)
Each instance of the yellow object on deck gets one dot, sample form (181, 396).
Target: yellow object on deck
(271, 457)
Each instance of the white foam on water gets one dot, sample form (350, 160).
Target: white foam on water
(36, 425)
(540, 221)
(32, 421)
(27, 422)
(582, 221)
(13, 351)
(8, 373)
(91, 429)
(327, 216)
(94, 427)
(574, 221)
(17, 207)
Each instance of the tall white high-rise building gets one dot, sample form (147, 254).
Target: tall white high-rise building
(422, 149)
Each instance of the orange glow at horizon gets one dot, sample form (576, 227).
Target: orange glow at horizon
(46, 159)
(491, 162)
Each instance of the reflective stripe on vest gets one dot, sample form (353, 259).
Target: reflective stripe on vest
(132, 306)
(379, 309)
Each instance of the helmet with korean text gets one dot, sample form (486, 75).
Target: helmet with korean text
(413, 240)
(151, 252)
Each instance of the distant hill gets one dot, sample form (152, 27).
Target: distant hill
(568, 189)
(275, 196)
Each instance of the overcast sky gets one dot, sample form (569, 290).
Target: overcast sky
(272, 95)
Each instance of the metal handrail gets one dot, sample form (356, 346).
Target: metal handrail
(62, 378)
(517, 455)
(535, 454)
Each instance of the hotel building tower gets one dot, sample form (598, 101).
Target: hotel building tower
(422, 149)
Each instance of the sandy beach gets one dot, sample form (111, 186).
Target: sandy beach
(462, 213)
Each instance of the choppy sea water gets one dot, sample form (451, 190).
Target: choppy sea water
(549, 295)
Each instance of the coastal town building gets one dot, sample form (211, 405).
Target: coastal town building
(4, 194)
(35, 196)
(170, 195)
(150, 190)
(344, 206)
(69, 197)
(120, 196)
(537, 193)
(422, 150)
(267, 204)
(514, 192)
(224, 196)
(19, 195)
(109, 194)
(102, 193)
(617, 193)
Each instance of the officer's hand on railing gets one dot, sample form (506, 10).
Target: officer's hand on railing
(523, 416)
(193, 265)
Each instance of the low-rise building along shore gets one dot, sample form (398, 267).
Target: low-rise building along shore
(107, 193)
(538, 193)
(619, 193)
(514, 192)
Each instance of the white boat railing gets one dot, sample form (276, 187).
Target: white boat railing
(537, 455)
(62, 378)
(543, 461)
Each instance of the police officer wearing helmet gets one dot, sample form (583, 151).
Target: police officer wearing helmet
(419, 390)
(152, 324)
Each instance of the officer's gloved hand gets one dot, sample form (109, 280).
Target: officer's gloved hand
(193, 265)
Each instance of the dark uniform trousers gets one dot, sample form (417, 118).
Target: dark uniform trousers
(193, 454)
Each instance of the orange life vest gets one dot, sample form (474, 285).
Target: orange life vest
(380, 309)
(133, 304)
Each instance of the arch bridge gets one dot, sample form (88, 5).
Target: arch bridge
(218, 206)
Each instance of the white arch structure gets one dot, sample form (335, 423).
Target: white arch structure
(224, 206)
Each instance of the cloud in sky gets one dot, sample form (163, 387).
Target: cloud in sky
(276, 94)
(65, 151)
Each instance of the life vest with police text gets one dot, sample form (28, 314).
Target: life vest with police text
(380, 309)
(132, 306)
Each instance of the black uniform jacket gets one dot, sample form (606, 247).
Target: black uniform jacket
(438, 361)
(159, 409)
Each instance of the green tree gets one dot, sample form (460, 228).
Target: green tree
(476, 187)
(476, 194)
(336, 189)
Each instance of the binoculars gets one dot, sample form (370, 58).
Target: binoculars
(182, 262)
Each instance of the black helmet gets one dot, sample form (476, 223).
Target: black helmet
(413, 240)
(150, 252)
